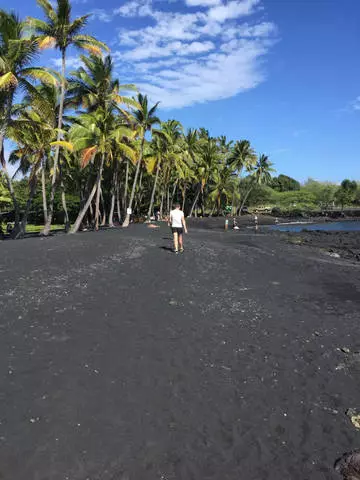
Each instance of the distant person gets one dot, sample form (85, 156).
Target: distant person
(178, 226)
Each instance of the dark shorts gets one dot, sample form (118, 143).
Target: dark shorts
(179, 231)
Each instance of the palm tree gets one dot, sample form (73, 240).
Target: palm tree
(17, 53)
(207, 163)
(34, 137)
(144, 120)
(261, 176)
(94, 86)
(222, 186)
(93, 135)
(61, 32)
(158, 149)
(242, 157)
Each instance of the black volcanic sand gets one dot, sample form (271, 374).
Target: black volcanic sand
(122, 361)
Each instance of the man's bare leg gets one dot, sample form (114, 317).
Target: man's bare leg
(181, 243)
(176, 241)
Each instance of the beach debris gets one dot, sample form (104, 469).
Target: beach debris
(349, 465)
(354, 416)
(345, 350)
(333, 254)
(151, 225)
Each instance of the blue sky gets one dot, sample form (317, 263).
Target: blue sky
(284, 74)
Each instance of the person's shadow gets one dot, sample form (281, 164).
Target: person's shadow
(168, 249)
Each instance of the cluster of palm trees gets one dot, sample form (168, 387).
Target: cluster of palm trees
(79, 134)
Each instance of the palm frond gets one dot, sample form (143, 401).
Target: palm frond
(41, 74)
(8, 81)
(61, 143)
(87, 155)
(47, 42)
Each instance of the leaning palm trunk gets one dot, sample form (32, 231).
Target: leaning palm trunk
(47, 226)
(127, 218)
(98, 193)
(195, 201)
(82, 213)
(245, 198)
(63, 202)
(43, 190)
(154, 190)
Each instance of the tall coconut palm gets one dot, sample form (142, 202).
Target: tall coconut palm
(222, 186)
(93, 86)
(17, 53)
(144, 119)
(93, 135)
(158, 149)
(34, 138)
(61, 31)
(261, 176)
(207, 163)
(242, 158)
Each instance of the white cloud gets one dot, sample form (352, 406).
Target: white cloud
(356, 104)
(102, 15)
(141, 8)
(71, 62)
(194, 56)
(153, 50)
(202, 3)
(233, 9)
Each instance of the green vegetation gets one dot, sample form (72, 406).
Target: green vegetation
(89, 155)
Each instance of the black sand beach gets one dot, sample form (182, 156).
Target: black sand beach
(120, 360)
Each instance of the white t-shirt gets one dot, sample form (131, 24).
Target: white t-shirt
(176, 217)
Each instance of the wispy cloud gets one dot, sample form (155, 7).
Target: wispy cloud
(205, 52)
(356, 104)
(233, 9)
(102, 15)
(71, 62)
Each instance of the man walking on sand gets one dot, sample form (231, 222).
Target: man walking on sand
(178, 226)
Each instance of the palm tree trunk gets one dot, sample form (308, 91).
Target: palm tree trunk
(114, 191)
(118, 203)
(13, 197)
(184, 198)
(127, 218)
(21, 232)
(43, 189)
(46, 229)
(154, 190)
(126, 186)
(4, 166)
(167, 200)
(103, 222)
(162, 205)
(245, 198)
(173, 194)
(98, 193)
(195, 201)
(63, 201)
(137, 206)
(95, 188)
